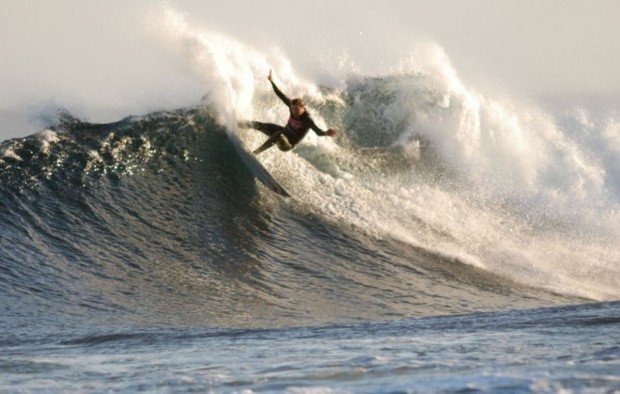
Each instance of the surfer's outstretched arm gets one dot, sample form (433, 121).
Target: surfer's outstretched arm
(318, 131)
(316, 128)
(279, 93)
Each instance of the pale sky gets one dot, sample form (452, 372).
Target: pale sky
(99, 59)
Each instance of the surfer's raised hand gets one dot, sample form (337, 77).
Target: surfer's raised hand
(330, 132)
(270, 76)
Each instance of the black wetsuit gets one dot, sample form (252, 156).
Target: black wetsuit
(294, 131)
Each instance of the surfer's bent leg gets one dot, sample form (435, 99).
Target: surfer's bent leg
(283, 143)
(279, 139)
(275, 133)
(268, 129)
(271, 141)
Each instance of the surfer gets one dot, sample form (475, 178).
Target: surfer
(299, 122)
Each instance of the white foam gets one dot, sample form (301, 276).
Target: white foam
(45, 139)
(8, 152)
(229, 69)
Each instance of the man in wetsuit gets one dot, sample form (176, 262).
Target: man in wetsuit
(295, 130)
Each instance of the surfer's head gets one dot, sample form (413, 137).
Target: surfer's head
(297, 107)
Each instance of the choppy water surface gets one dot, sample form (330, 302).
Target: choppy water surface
(574, 348)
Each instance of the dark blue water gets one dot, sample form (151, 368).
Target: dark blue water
(143, 255)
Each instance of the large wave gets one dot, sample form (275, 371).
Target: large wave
(433, 198)
(156, 220)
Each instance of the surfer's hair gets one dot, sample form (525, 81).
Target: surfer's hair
(297, 101)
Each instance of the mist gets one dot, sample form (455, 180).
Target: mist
(103, 61)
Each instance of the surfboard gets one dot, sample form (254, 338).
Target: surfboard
(256, 168)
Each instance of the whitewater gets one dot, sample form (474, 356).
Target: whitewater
(446, 239)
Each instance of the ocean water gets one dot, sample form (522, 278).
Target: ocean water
(444, 241)
(545, 350)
